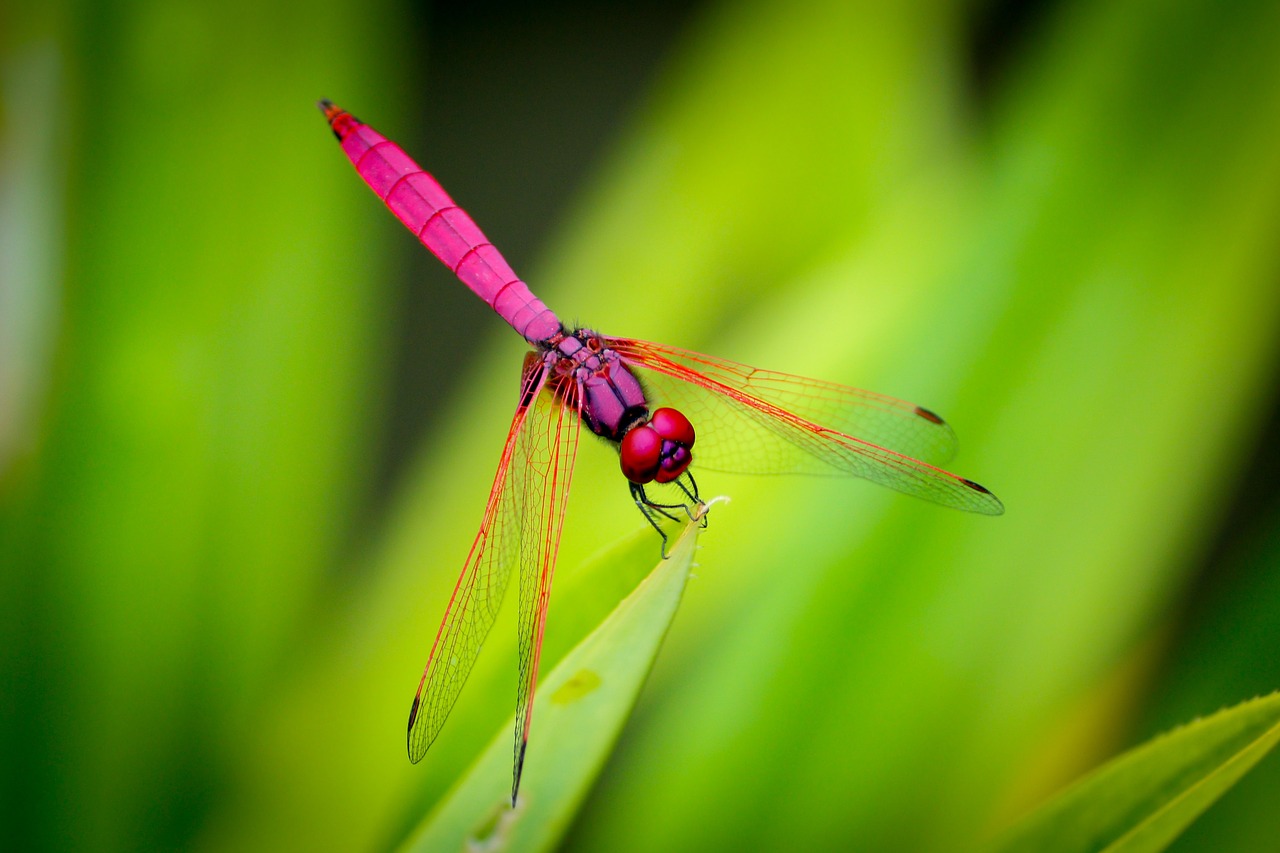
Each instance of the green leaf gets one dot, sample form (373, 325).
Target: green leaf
(580, 708)
(1143, 800)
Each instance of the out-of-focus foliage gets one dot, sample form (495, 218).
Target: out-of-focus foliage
(213, 615)
(1147, 797)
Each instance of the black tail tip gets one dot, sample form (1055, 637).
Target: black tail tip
(331, 110)
(341, 122)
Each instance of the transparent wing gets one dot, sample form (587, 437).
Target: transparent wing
(478, 595)
(876, 418)
(757, 421)
(548, 446)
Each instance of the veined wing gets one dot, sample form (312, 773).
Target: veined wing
(546, 452)
(763, 422)
(478, 595)
(878, 419)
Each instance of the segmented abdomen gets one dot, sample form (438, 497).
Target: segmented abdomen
(426, 209)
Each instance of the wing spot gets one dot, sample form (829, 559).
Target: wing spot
(933, 418)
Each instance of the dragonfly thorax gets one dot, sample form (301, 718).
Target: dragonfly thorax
(612, 400)
(654, 447)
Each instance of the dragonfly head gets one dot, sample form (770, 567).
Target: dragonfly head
(659, 449)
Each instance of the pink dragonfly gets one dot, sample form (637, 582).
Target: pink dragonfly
(752, 421)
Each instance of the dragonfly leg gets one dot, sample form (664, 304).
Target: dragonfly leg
(695, 502)
(648, 506)
(652, 509)
(649, 509)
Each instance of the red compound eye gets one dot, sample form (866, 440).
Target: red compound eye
(658, 450)
(675, 459)
(641, 454)
(672, 426)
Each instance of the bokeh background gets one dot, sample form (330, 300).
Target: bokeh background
(247, 425)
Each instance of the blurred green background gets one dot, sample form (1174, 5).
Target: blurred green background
(247, 425)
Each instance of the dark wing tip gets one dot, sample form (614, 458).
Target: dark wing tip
(414, 755)
(515, 782)
(992, 507)
(932, 417)
(324, 105)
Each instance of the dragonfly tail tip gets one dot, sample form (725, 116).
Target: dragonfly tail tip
(329, 109)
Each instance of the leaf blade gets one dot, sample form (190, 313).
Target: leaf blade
(1143, 800)
(582, 706)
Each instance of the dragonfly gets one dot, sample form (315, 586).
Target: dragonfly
(643, 398)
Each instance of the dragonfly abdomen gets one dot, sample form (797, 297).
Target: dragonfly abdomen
(418, 200)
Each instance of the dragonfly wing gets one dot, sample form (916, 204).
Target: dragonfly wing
(545, 455)
(875, 418)
(478, 595)
(764, 422)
